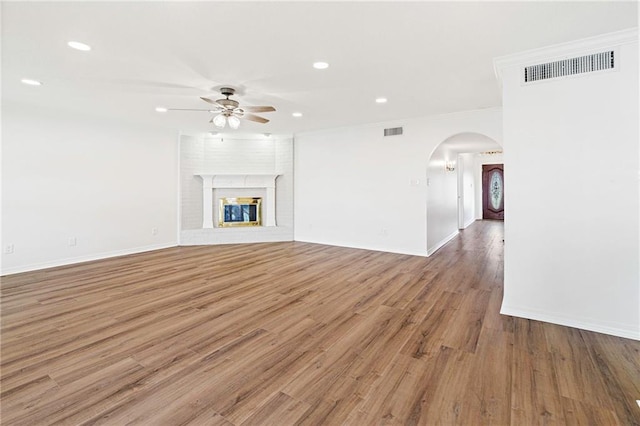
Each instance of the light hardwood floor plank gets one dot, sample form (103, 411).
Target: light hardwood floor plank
(299, 334)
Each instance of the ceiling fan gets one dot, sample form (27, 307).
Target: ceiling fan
(229, 111)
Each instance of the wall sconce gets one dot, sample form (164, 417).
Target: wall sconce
(449, 166)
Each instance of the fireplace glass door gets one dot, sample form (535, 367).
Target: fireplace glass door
(245, 211)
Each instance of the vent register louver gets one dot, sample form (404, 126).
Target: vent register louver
(583, 64)
(393, 131)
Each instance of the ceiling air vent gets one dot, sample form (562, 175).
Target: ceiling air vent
(393, 131)
(589, 63)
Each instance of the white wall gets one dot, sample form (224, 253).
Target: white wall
(356, 188)
(191, 163)
(467, 166)
(68, 176)
(571, 231)
(442, 199)
(227, 155)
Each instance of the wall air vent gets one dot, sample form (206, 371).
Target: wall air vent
(589, 63)
(393, 131)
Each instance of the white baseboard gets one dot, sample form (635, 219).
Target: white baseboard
(468, 224)
(257, 234)
(361, 247)
(87, 258)
(619, 330)
(442, 242)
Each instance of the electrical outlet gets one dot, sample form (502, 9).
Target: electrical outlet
(8, 249)
(72, 241)
(154, 231)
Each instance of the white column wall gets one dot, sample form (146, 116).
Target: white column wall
(442, 207)
(572, 236)
(469, 184)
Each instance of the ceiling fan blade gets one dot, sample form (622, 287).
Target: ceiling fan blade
(208, 100)
(188, 109)
(259, 108)
(252, 117)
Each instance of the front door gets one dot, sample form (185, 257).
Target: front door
(493, 191)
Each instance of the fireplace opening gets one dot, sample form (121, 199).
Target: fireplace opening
(243, 211)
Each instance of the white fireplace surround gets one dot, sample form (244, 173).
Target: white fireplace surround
(265, 182)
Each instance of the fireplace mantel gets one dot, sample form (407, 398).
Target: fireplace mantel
(213, 181)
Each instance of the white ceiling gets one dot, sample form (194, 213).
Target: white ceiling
(425, 57)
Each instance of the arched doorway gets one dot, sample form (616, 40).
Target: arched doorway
(454, 181)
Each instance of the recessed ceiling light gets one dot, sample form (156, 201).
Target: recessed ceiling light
(31, 82)
(320, 65)
(297, 114)
(79, 46)
(161, 109)
(381, 100)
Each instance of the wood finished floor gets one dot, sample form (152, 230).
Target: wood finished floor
(296, 333)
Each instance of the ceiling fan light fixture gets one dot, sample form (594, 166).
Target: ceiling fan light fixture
(297, 114)
(234, 122)
(219, 121)
(228, 111)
